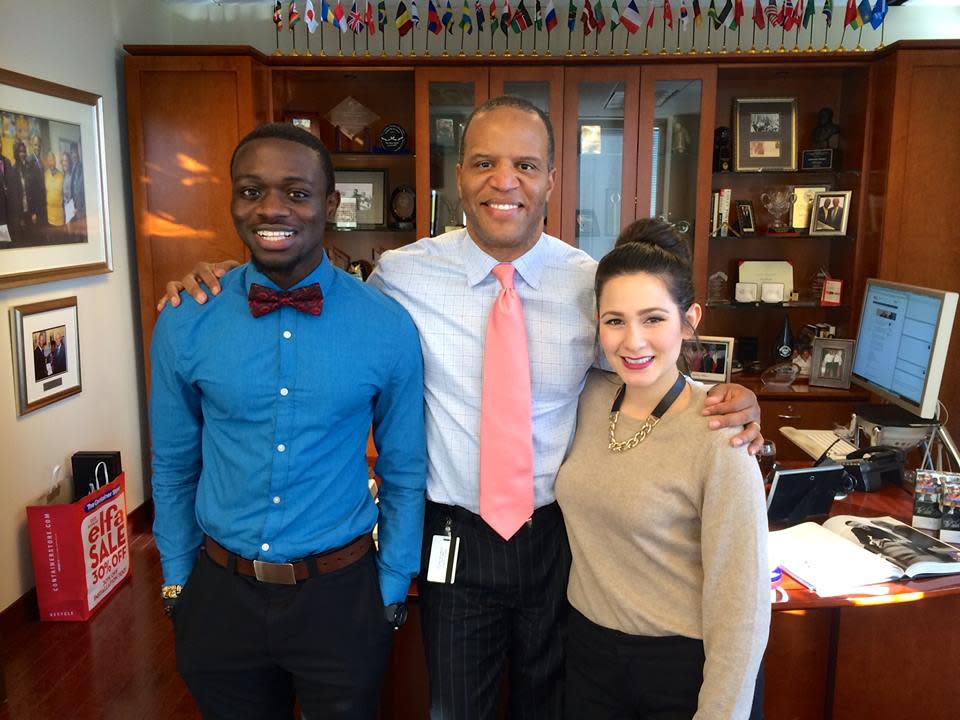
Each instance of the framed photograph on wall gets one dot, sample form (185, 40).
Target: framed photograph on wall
(831, 361)
(765, 132)
(367, 188)
(831, 211)
(53, 195)
(709, 358)
(46, 349)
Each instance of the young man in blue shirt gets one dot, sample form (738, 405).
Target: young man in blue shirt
(260, 408)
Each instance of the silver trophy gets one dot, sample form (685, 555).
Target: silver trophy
(778, 203)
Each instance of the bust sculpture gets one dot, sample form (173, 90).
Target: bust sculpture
(827, 133)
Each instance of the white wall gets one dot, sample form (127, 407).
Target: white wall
(79, 44)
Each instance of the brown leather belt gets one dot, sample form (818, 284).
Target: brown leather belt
(292, 572)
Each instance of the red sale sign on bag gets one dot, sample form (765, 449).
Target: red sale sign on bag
(80, 552)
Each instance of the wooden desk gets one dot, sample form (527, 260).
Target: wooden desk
(875, 656)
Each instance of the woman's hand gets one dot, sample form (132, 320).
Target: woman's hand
(730, 405)
(203, 273)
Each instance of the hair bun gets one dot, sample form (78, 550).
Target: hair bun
(655, 233)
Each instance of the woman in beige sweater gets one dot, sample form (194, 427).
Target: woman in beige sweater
(669, 582)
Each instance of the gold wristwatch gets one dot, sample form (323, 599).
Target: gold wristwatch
(170, 594)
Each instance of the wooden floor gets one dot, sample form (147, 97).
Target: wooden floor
(117, 665)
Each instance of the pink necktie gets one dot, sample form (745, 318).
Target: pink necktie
(506, 428)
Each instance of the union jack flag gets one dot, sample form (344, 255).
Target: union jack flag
(355, 20)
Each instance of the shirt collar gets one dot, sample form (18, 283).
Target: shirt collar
(478, 264)
(323, 274)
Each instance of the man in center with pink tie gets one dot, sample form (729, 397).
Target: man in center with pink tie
(507, 325)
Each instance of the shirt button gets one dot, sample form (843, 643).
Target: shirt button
(265, 547)
(284, 392)
(287, 334)
(281, 447)
(276, 499)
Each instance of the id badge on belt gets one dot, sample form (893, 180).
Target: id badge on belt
(444, 550)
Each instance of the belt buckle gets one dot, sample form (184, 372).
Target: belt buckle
(276, 573)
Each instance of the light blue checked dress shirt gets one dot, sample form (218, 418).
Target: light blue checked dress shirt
(446, 285)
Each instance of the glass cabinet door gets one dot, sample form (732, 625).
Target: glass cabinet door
(675, 152)
(445, 99)
(544, 88)
(600, 151)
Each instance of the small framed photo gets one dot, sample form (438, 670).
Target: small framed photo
(771, 292)
(445, 132)
(831, 293)
(830, 362)
(830, 213)
(745, 217)
(765, 134)
(46, 346)
(366, 188)
(709, 358)
(745, 292)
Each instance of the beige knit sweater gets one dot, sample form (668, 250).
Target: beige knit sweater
(670, 538)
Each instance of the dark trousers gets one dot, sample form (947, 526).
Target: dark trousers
(615, 676)
(246, 648)
(504, 610)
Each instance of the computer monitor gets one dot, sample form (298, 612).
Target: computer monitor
(902, 344)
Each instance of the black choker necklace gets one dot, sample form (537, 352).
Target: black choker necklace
(619, 446)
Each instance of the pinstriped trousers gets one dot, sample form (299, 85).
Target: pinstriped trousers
(503, 614)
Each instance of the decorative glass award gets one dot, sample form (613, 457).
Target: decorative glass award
(778, 203)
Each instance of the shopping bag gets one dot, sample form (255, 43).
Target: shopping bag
(80, 552)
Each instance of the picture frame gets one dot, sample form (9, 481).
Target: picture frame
(765, 134)
(46, 352)
(803, 205)
(745, 217)
(60, 131)
(709, 358)
(832, 293)
(831, 212)
(367, 187)
(831, 361)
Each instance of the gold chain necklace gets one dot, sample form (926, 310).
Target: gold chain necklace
(619, 446)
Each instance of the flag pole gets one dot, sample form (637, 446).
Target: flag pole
(783, 35)
(753, 41)
(520, 52)
(493, 34)
(293, 40)
(859, 47)
(277, 51)
(308, 53)
(445, 32)
(322, 53)
(461, 53)
(583, 42)
(842, 36)
(826, 31)
(883, 23)
(810, 42)
(693, 40)
(678, 51)
(739, 30)
(663, 41)
(353, 41)
(723, 45)
(366, 53)
(596, 43)
(534, 37)
(709, 50)
(646, 37)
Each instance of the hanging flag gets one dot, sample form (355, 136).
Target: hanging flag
(571, 15)
(382, 15)
(809, 13)
(403, 21)
(773, 15)
(667, 14)
(551, 19)
(505, 17)
(278, 15)
(828, 11)
(630, 18)
(586, 18)
(521, 19)
(447, 18)
(877, 15)
(478, 10)
(433, 19)
(712, 14)
(414, 13)
(339, 13)
(368, 19)
(311, 16)
(493, 15)
(466, 18)
(293, 15)
(758, 15)
(614, 16)
(724, 12)
(599, 19)
(355, 20)
(684, 15)
(538, 16)
(697, 19)
(653, 9)
(787, 14)
(326, 13)
(852, 17)
(864, 12)
(737, 14)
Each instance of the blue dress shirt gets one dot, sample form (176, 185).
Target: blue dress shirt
(446, 285)
(260, 426)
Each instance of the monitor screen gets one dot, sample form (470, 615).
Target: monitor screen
(902, 344)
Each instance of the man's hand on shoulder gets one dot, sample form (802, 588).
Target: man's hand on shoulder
(730, 405)
(203, 273)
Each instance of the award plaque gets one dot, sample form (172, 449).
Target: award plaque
(393, 138)
(403, 206)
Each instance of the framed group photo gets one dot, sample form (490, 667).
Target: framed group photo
(365, 190)
(765, 133)
(53, 197)
(831, 212)
(709, 358)
(46, 348)
(831, 361)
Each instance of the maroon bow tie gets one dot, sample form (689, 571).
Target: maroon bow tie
(307, 299)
